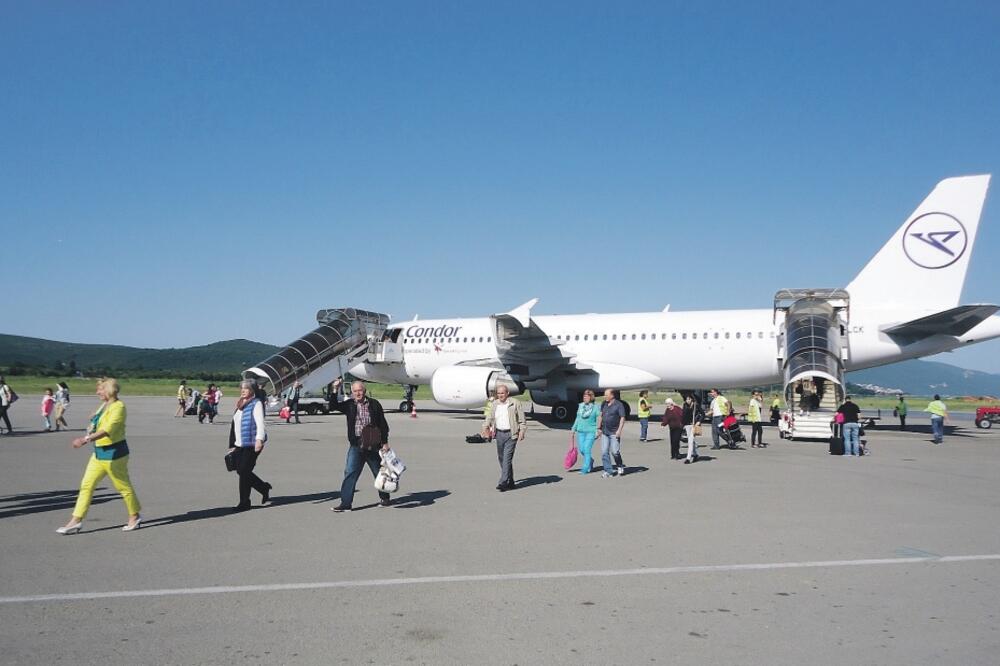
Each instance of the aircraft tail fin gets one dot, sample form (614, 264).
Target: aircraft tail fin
(923, 265)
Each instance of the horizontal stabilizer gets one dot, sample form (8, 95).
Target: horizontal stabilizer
(956, 321)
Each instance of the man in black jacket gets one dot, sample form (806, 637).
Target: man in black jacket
(361, 411)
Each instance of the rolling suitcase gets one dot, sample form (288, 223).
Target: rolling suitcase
(837, 441)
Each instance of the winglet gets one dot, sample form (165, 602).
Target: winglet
(522, 313)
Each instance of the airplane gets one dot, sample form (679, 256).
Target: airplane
(904, 304)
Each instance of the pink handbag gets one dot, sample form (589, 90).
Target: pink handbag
(570, 459)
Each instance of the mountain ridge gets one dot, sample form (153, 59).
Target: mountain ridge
(27, 355)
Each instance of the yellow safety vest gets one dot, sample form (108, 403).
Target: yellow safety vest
(644, 413)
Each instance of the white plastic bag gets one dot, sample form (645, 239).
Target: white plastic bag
(392, 462)
(387, 479)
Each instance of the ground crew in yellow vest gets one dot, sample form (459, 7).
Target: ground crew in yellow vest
(775, 410)
(644, 412)
(900, 411)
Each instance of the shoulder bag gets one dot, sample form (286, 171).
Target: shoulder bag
(371, 437)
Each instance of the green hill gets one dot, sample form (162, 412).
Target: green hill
(22, 355)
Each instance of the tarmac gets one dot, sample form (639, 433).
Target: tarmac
(784, 555)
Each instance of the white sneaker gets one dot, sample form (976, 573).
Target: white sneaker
(605, 475)
(621, 471)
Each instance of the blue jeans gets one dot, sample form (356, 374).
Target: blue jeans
(937, 427)
(716, 424)
(643, 427)
(852, 445)
(356, 459)
(584, 443)
(610, 446)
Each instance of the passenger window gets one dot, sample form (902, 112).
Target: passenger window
(760, 335)
(489, 339)
(737, 335)
(716, 336)
(605, 336)
(694, 336)
(673, 336)
(586, 337)
(684, 336)
(633, 336)
(577, 337)
(727, 335)
(614, 336)
(643, 336)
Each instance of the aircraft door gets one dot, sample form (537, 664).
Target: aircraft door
(390, 349)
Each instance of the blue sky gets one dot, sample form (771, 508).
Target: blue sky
(179, 173)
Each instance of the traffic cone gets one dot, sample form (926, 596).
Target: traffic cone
(413, 410)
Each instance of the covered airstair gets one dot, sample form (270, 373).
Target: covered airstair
(343, 337)
(812, 351)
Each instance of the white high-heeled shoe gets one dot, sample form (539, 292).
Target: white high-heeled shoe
(134, 526)
(70, 529)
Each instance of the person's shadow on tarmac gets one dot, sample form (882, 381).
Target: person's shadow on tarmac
(53, 500)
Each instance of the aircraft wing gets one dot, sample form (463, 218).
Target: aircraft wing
(956, 321)
(526, 351)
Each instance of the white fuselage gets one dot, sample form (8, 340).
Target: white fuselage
(696, 349)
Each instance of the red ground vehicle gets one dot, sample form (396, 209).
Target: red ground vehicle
(987, 416)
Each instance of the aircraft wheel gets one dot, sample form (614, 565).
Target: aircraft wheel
(406, 406)
(564, 412)
(984, 423)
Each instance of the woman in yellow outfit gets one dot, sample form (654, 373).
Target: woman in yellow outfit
(110, 457)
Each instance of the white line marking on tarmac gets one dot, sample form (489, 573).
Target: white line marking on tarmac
(491, 578)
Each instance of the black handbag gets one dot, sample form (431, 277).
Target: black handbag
(233, 452)
(231, 459)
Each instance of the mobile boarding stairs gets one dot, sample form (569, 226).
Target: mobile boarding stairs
(812, 353)
(344, 337)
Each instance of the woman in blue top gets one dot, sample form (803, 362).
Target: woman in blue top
(585, 428)
(246, 441)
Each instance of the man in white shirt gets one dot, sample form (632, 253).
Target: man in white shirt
(506, 424)
(720, 410)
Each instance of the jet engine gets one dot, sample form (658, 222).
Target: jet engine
(469, 386)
